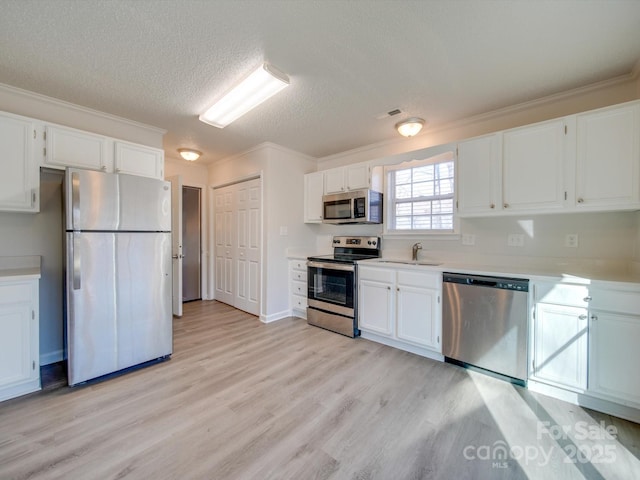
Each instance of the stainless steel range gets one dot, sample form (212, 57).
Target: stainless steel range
(333, 284)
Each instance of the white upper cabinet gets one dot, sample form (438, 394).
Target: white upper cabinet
(68, 147)
(608, 158)
(138, 160)
(342, 179)
(19, 182)
(313, 190)
(533, 166)
(480, 175)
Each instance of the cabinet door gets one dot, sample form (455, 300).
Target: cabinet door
(19, 366)
(375, 312)
(560, 345)
(19, 182)
(313, 191)
(418, 315)
(479, 175)
(139, 160)
(357, 177)
(67, 147)
(608, 157)
(533, 166)
(614, 355)
(334, 181)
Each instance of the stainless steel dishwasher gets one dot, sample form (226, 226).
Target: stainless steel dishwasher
(485, 322)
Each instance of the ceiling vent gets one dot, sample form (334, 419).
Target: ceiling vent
(390, 113)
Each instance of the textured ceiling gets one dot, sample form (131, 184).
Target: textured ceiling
(162, 62)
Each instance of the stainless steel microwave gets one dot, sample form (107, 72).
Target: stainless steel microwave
(358, 206)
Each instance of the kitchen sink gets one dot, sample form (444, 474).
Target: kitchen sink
(410, 262)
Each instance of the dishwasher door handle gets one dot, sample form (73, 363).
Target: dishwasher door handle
(484, 283)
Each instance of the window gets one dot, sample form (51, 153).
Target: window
(421, 195)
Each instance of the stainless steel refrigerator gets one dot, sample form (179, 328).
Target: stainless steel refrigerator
(118, 272)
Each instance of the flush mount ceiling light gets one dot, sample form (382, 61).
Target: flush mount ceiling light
(410, 126)
(189, 154)
(258, 86)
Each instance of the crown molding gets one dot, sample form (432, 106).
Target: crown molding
(78, 108)
(501, 112)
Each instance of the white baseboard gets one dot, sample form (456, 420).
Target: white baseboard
(51, 357)
(275, 316)
(601, 405)
(423, 352)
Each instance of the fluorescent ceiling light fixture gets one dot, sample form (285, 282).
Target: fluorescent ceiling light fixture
(410, 126)
(189, 154)
(261, 84)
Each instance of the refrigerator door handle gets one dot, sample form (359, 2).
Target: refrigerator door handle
(75, 255)
(75, 199)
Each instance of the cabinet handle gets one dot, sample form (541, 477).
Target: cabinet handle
(506, 205)
(388, 288)
(398, 289)
(493, 205)
(582, 317)
(580, 200)
(103, 168)
(594, 317)
(587, 299)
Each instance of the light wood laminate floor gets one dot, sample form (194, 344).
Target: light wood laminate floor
(244, 400)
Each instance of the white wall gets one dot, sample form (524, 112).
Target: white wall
(282, 172)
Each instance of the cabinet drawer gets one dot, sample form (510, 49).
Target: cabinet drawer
(299, 276)
(299, 264)
(377, 274)
(562, 294)
(15, 293)
(299, 288)
(616, 301)
(419, 279)
(298, 302)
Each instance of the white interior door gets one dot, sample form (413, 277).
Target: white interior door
(247, 291)
(176, 243)
(237, 230)
(224, 243)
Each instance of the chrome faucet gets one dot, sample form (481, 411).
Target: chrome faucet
(414, 251)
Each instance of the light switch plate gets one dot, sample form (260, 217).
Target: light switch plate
(468, 239)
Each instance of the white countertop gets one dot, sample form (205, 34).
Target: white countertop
(541, 273)
(20, 268)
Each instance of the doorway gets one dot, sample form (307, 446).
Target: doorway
(191, 244)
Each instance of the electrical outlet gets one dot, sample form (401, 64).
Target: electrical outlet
(571, 240)
(515, 240)
(468, 239)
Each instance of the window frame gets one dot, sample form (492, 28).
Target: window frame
(446, 156)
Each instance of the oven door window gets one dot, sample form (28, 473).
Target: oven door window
(331, 286)
(337, 210)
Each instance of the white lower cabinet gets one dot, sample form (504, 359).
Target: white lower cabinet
(298, 287)
(614, 335)
(19, 342)
(585, 340)
(560, 345)
(401, 305)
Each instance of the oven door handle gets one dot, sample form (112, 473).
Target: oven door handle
(332, 266)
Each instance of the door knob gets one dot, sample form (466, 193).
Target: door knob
(175, 257)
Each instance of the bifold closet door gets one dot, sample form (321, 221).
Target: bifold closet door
(237, 230)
